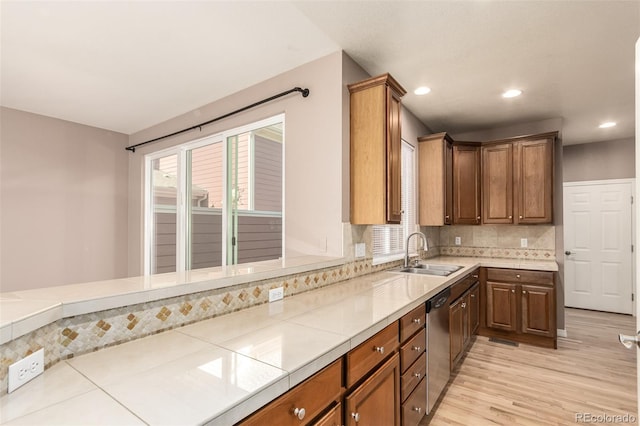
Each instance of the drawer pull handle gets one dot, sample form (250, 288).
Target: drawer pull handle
(417, 375)
(417, 320)
(299, 413)
(356, 417)
(380, 349)
(417, 348)
(417, 409)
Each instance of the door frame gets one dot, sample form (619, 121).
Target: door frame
(634, 254)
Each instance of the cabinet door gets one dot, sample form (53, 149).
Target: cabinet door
(332, 418)
(534, 181)
(466, 185)
(538, 310)
(501, 306)
(456, 331)
(377, 400)
(474, 309)
(394, 159)
(497, 183)
(448, 182)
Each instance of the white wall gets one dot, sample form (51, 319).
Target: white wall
(63, 209)
(313, 154)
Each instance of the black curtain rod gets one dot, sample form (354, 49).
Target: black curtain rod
(305, 93)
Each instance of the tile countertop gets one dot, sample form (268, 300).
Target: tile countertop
(219, 370)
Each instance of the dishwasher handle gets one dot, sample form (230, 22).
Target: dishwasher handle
(439, 300)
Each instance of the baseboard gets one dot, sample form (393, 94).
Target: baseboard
(562, 332)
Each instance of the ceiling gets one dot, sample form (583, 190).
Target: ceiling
(125, 66)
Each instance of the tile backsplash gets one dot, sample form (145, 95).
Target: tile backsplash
(502, 241)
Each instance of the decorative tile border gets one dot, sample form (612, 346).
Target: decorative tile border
(501, 253)
(81, 334)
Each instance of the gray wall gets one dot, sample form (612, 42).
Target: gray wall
(599, 161)
(63, 202)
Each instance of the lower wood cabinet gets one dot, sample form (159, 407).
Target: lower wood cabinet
(377, 400)
(464, 316)
(521, 306)
(415, 407)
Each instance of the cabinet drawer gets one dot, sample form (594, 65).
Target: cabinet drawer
(463, 285)
(313, 395)
(415, 407)
(411, 322)
(518, 275)
(413, 376)
(411, 351)
(367, 355)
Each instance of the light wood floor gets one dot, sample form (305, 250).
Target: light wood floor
(590, 372)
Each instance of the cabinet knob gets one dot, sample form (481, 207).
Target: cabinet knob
(473, 296)
(417, 348)
(513, 291)
(510, 217)
(517, 275)
(417, 375)
(475, 275)
(299, 413)
(417, 409)
(464, 305)
(520, 217)
(417, 320)
(524, 291)
(356, 417)
(446, 217)
(379, 349)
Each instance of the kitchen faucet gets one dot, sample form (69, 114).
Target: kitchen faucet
(425, 247)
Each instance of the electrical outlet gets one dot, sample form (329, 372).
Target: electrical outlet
(360, 250)
(523, 242)
(276, 294)
(26, 369)
(458, 241)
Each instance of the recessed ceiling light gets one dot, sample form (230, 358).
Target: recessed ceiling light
(422, 90)
(512, 93)
(607, 124)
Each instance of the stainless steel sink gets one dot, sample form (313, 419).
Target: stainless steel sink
(429, 269)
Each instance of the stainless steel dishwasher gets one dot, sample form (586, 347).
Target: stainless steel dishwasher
(437, 346)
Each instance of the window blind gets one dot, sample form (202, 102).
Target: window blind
(389, 240)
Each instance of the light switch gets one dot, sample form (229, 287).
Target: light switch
(523, 242)
(458, 241)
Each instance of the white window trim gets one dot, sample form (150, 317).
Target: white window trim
(181, 213)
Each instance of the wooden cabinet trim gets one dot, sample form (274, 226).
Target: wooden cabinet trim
(520, 276)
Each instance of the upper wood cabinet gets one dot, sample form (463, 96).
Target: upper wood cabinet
(375, 151)
(466, 184)
(435, 187)
(517, 180)
(449, 185)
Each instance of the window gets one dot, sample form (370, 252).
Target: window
(389, 240)
(216, 201)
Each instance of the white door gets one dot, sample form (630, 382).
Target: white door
(598, 244)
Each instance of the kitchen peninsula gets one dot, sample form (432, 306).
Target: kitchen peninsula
(219, 370)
